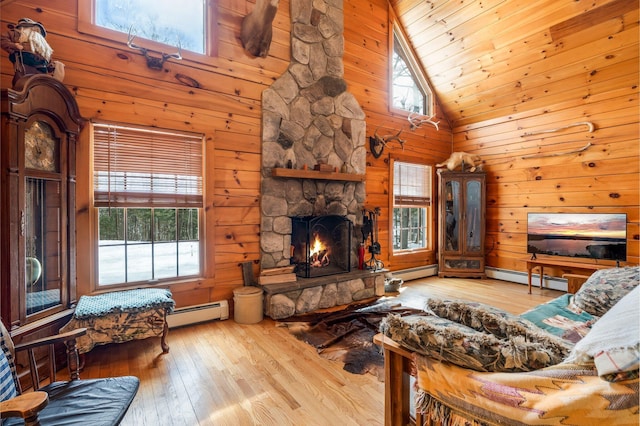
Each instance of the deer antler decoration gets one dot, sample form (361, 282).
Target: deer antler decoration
(416, 121)
(377, 142)
(155, 63)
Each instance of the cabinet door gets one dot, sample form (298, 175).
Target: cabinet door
(43, 227)
(42, 231)
(452, 216)
(473, 216)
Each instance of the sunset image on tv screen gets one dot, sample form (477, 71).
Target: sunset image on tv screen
(596, 236)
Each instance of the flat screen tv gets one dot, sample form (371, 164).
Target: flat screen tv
(584, 235)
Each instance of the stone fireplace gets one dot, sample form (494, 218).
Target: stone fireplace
(321, 245)
(308, 119)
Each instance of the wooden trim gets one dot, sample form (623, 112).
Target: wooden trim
(413, 63)
(313, 174)
(211, 21)
(417, 254)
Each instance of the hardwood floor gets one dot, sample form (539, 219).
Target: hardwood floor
(224, 373)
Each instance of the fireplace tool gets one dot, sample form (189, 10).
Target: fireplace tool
(370, 232)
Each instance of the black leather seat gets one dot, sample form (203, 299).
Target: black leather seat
(95, 402)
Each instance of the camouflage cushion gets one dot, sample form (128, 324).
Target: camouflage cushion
(478, 349)
(605, 288)
(483, 317)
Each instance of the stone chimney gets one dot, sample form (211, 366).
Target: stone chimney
(308, 117)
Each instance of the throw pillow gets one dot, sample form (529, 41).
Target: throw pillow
(7, 385)
(605, 288)
(7, 348)
(447, 340)
(613, 344)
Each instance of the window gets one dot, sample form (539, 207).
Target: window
(410, 91)
(411, 206)
(164, 24)
(148, 194)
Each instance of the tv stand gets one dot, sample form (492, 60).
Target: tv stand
(564, 265)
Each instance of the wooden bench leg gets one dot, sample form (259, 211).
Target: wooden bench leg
(165, 332)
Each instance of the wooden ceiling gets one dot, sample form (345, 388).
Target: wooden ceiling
(491, 58)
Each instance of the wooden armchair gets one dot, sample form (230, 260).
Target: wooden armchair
(74, 402)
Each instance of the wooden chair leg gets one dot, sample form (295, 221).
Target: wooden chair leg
(32, 421)
(73, 360)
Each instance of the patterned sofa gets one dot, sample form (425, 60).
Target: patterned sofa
(573, 360)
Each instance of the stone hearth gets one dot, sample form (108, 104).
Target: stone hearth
(310, 294)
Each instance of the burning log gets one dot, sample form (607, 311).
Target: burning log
(319, 260)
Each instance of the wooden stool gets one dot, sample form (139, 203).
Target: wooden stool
(574, 282)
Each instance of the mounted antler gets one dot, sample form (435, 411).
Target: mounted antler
(416, 121)
(155, 63)
(377, 142)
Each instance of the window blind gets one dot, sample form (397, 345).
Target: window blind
(150, 167)
(411, 184)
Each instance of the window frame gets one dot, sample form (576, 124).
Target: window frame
(96, 205)
(415, 67)
(412, 254)
(87, 25)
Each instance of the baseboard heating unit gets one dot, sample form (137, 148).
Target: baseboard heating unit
(198, 313)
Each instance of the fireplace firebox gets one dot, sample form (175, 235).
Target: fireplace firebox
(321, 245)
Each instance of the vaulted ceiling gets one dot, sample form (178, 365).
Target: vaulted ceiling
(491, 58)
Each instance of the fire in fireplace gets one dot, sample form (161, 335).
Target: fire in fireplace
(321, 245)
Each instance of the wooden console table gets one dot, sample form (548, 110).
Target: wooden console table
(562, 264)
(398, 365)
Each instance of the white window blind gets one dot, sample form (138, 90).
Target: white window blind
(411, 184)
(150, 167)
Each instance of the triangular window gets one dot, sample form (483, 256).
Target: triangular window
(410, 91)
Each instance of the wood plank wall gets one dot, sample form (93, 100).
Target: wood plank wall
(590, 76)
(113, 83)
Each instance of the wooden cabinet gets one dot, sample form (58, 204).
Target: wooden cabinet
(40, 125)
(461, 224)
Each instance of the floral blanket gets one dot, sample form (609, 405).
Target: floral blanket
(565, 394)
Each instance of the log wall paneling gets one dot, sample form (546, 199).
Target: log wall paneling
(567, 62)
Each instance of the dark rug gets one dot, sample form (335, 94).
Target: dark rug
(347, 335)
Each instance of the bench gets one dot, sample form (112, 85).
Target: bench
(122, 316)
(564, 265)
